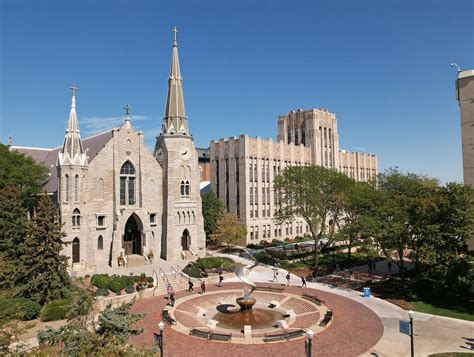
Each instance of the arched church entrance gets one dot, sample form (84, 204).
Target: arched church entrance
(132, 237)
(185, 240)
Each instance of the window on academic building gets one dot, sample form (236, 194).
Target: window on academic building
(153, 219)
(76, 218)
(101, 221)
(251, 233)
(303, 135)
(127, 184)
(100, 243)
(296, 137)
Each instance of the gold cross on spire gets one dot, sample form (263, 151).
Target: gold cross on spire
(127, 109)
(74, 90)
(175, 30)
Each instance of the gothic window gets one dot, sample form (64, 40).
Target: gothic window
(76, 188)
(76, 253)
(127, 184)
(100, 221)
(66, 188)
(179, 218)
(187, 189)
(100, 243)
(100, 188)
(182, 190)
(76, 218)
(194, 218)
(152, 219)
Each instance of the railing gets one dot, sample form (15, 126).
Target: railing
(192, 251)
(146, 258)
(176, 273)
(163, 276)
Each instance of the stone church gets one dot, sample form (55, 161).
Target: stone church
(119, 200)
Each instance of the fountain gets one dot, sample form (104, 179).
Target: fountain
(246, 302)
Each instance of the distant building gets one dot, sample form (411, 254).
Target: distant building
(243, 169)
(465, 97)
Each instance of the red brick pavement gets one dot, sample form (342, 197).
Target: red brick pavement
(355, 330)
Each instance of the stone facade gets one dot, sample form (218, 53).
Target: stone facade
(118, 199)
(243, 169)
(465, 97)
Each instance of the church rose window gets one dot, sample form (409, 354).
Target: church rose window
(127, 184)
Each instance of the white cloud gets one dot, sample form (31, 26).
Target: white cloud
(92, 125)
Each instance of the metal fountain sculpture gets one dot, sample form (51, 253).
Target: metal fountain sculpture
(246, 302)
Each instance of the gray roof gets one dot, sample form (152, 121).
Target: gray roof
(49, 157)
(204, 153)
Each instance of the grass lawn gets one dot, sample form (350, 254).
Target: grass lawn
(458, 313)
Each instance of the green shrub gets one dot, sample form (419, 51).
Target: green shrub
(101, 281)
(102, 292)
(56, 310)
(130, 289)
(149, 279)
(193, 271)
(116, 286)
(150, 286)
(265, 258)
(214, 262)
(19, 308)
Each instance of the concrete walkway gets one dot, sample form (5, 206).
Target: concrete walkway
(433, 334)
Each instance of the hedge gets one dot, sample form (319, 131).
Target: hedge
(19, 308)
(56, 310)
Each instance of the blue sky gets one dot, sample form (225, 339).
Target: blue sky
(381, 66)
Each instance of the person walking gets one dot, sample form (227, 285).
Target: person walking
(203, 287)
(172, 299)
(169, 290)
(275, 275)
(389, 266)
(288, 279)
(221, 279)
(303, 281)
(190, 286)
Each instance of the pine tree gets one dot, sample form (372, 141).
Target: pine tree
(13, 231)
(41, 271)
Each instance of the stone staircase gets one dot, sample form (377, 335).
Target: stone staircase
(178, 282)
(136, 261)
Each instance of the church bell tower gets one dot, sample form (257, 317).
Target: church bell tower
(183, 234)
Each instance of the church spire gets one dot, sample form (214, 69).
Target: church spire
(72, 152)
(175, 121)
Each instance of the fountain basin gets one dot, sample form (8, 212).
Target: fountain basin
(246, 303)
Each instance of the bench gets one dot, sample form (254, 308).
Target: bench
(166, 316)
(270, 289)
(199, 333)
(277, 337)
(313, 298)
(294, 334)
(327, 318)
(220, 336)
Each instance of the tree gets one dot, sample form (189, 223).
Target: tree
(314, 193)
(40, 272)
(359, 200)
(14, 227)
(229, 230)
(116, 325)
(401, 214)
(212, 210)
(23, 172)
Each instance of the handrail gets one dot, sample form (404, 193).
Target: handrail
(192, 251)
(146, 258)
(176, 273)
(165, 277)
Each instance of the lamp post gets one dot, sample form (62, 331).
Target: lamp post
(309, 342)
(411, 313)
(161, 325)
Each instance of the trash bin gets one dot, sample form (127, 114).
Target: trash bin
(366, 292)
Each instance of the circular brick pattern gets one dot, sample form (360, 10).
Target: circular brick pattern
(354, 330)
(198, 311)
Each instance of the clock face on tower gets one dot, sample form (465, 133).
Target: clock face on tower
(185, 153)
